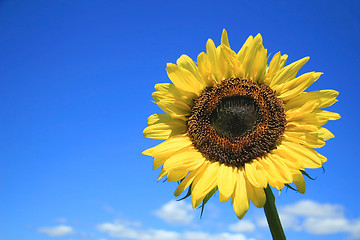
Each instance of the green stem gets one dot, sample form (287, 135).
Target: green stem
(272, 216)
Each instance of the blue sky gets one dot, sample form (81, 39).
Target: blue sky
(76, 79)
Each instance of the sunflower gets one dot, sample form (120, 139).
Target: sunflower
(234, 124)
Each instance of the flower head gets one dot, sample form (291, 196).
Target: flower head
(235, 124)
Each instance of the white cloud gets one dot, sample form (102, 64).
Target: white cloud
(176, 212)
(261, 221)
(58, 231)
(120, 230)
(245, 226)
(321, 219)
(307, 208)
(316, 218)
(324, 226)
(289, 221)
(124, 231)
(354, 229)
(117, 230)
(207, 236)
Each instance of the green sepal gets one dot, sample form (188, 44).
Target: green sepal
(306, 174)
(187, 194)
(291, 187)
(206, 199)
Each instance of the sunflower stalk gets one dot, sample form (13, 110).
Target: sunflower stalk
(272, 216)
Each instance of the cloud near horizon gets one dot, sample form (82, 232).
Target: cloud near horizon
(316, 218)
(176, 212)
(124, 231)
(57, 231)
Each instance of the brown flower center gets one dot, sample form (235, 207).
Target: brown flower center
(236, 121)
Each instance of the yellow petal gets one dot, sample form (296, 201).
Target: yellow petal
(277, 185)
(316, 118)
(174, 108)
(305, 138)
(204, 67)
(256, 195)
(163, 126)
(276, 64)
(169, 147)
(288, 73)
(283, 153)
(245, 48)
(176, 175)
(162, 174)
(186, 62)
(228, 62)
(213, 59)
(183, 79)
(292, 88)
(325, 134)
(282, 168)
(327, 115)
(299, 182)
(158, 161)
(298, 129)
(307, 157)
(258, 66)
(272, 172)
(240, 199)
(204, 184)
(322, 98)
(189, 179)
(224, 39)
(226, 182)
(298, 114)
(188, 160)
(254, 62)
(169, 91)
(295, 126)
(255, 176)
(161, 118)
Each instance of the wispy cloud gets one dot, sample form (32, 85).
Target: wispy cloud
(176, 212)
(121, 230)
(308, 208)
(207, 236)
(316, 218)
(124, 231)
(57, 231)
(245, 226)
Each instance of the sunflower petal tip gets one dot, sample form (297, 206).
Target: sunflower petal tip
(169, 66)
(146, 152)
(258, 36)
(241, 216)
(225, 39)
(193, 202)
(209, 43)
